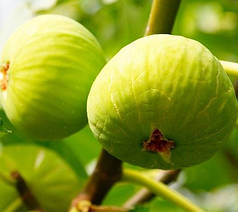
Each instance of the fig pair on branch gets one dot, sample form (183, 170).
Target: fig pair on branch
(163, 101)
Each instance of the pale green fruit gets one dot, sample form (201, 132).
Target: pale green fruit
(164, 102)
(48, 66)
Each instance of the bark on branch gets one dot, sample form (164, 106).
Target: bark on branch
(107, 171)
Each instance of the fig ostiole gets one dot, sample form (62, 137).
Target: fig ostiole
(163, 101)
(46, 71)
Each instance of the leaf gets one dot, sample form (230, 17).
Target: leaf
(208, 175)
(84, 145)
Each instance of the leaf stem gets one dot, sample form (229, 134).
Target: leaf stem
(162, 16)
(160, 189)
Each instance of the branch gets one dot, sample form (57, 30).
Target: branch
(162, 16)
(108, 171)
(160, 189)
(25, 193)
(231, 68)
(145, 195)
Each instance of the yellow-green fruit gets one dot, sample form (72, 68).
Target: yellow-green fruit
(47, 68)
(164, 102)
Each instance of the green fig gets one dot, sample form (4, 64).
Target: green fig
(49, 178)
(163, 101)
(47, 68)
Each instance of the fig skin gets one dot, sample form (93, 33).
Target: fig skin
(52, 61)
(167, 86)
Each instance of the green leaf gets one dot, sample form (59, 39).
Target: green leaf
(208, 175)
(84, 145)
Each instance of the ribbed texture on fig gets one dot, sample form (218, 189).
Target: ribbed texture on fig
(53, 61)
(164, 102)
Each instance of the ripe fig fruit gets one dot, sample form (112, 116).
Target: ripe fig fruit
(47, 68)
(164, 102)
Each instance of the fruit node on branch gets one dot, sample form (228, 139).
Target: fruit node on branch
(107, 172)
(87, 206)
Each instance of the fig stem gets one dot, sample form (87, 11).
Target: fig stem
(231, 68)
(162, 16)
(145, 195)
(160, 189)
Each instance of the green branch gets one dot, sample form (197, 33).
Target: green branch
(231, 68)
(162, 16)
(145, 195)
(160, 189)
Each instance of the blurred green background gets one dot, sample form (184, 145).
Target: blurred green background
(57, 170)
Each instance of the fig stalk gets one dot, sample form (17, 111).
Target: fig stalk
(162, 16)
(231, 68)
(107, 171)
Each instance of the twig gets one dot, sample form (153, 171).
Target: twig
(108, 171)
(162, 16)
(145, 195)
(160, 189)
(25, 193)
(231, 68)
